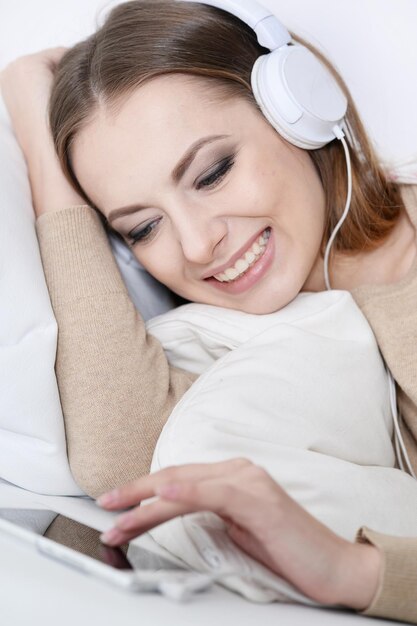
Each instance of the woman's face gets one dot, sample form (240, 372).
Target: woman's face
(205, 215)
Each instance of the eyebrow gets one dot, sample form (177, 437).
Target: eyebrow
(176, 175)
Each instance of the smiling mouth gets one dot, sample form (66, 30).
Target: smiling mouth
(246, 261)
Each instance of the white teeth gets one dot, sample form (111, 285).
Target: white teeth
(250, 257)
(243, 264)
(231, 273)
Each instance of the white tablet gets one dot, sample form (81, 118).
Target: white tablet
(143, 571)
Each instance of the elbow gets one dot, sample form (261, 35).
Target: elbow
(95, 476)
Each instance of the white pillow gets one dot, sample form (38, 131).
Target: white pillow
(32, 437)
(303, 393)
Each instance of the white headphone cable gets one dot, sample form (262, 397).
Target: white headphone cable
(341, 136)
(399, 442)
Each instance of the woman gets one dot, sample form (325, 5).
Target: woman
(249, 178)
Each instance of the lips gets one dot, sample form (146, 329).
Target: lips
(235, 257)
(252, 277)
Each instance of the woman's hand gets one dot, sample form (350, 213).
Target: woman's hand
(25, 85)
(261, 518)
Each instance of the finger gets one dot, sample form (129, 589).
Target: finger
(218, 495)
(141, 519)
(145, 487)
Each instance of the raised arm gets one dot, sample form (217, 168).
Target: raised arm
(116, 386)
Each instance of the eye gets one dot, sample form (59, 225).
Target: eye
(213, 179)
(144, 233)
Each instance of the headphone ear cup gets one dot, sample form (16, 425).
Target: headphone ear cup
(298, 96)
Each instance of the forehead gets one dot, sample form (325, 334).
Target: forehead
(150, 129)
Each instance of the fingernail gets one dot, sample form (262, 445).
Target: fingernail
(170, 491)
(107, 498)
(110, 536)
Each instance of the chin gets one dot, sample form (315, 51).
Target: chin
(260, 306)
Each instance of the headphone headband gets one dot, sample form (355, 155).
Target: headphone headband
(271, 33)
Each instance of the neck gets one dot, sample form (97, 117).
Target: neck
(389, 263)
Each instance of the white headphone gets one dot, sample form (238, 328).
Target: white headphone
(294, 90)
(303, 102)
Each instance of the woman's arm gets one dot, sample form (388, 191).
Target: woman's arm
(376, 575)
(396, 594)
(261, 518)
(116, 386)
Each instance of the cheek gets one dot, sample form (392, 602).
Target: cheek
(254, 190)
(161, 261)
(303, 194)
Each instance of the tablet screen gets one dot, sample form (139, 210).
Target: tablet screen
(85, 540)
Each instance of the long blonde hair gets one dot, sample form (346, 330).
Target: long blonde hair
(142, 39)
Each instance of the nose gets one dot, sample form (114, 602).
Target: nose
(199, 238)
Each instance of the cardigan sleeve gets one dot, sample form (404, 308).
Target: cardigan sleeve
(396, 595)
(116, 386)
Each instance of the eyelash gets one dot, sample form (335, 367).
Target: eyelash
(210, 181)
(224, 167)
